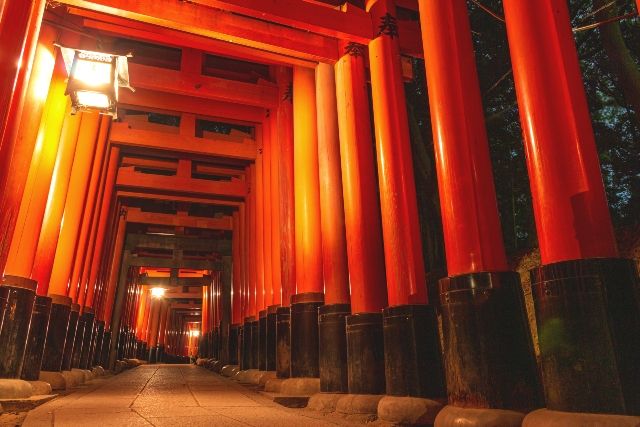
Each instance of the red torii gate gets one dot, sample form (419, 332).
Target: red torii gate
(314, 231)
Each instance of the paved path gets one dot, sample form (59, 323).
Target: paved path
(170, 395)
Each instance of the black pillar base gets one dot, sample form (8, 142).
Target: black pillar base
(4, 299)
(78, 341)
(160, 355)
(152, 354)
(365, 353)
(255, 344)
(262, 351)
(233, 344)
(283, 342)
(247, 346)
(304, 334)
(105, 350)
(588, 318)
(37, 337)
(413, 361)
(71, 336)
(15, 324)
(270, 337)
(333, 347)
(96, 347)
(488, 352)
(87, 337)
(57, 333)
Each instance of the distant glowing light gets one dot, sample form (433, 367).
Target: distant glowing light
(158, 292)
(93, 99)
(194, 333)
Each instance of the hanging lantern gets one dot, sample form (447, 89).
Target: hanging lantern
(94, 79)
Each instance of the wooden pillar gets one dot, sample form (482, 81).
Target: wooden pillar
(286, 184)
(332, 316)
(266, 210)
(308, 239)
(32, 208)
(582, 284)
(103, 221)
(115, 266)
(481, 296)
(21, 105)
(89, 211)
(236, 295)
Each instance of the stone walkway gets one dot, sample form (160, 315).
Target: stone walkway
(171, 395)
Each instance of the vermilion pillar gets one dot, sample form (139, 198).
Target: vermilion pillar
(334, 249)
(266, 210)
(103, 221)
(361, 204)
(19, 31)
(274, 191)
(582, 287)
(27, 230)
(363, 225)
(90, 208)
(286, 210)
(74, 206)
(236, 289)
(112, 278)
(481, 296)
(152, 334)
(308, 240)
(259, 225)
(331, 321)
(50, 231)
(408, 323)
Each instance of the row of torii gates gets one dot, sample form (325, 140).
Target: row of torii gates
(327, 275)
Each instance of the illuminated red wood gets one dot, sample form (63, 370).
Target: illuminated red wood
(129, 179)
(236, 292)
(274, 189)
(472, 233)
(401, 232)
(308, 240)
(121, 135)
(164, 324)
(19, 93)
(284, 78)
(163, 102)
(266, 212)
(334, 248)
(258, 226)
(244, 273)
(251, 233)
(199, 86)
(34, 201)
(349, 23)
(103, 220)
(74, 207)
(111, 284)
(218, 24)
(90, 207)
(171, 37)
(138, 216)
(361, 204)
(152, 335)
(156, 196)
(569, 202)
(50, 231)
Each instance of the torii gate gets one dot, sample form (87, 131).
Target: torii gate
(328, 280)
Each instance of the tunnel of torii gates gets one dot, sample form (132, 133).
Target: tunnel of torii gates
(289, 241)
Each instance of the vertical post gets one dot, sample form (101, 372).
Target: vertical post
(583, 288)
(308, 241)
(332, 315)
(481, 296)
(236, 291)
(19, 34)
(44, 138)
(363, 225)
(411, 343)
(287, 218)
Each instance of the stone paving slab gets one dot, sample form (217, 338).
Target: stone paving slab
(171, 395)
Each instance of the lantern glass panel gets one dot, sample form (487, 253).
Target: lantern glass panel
(93, 99)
